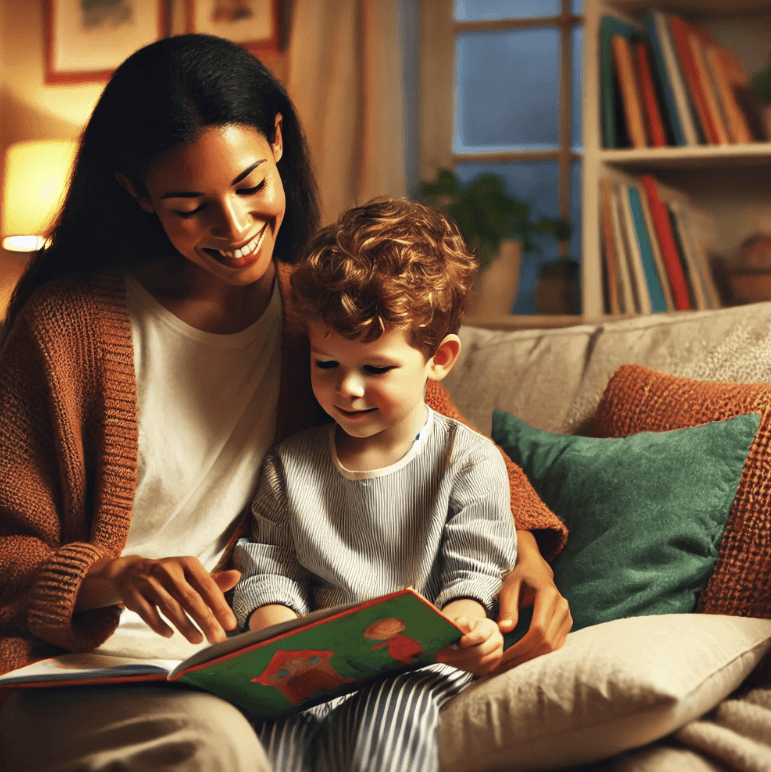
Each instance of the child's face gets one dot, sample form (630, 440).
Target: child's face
(369, 388)
(221, 201)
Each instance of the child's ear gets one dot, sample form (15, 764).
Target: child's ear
(444, 358)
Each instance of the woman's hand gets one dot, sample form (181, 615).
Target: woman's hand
(189, 596)
(478, 650)
(531, 583)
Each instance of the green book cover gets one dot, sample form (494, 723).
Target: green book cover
(310, 660)
(284, 668)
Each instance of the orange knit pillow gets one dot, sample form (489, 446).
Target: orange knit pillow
(641, 400)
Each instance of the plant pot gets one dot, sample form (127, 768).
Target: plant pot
(495, 287)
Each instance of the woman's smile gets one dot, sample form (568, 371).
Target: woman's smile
(251, 247)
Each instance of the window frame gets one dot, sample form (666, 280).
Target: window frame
(439, 32)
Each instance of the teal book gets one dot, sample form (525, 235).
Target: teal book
(661, 80)
(652, 279)
(284, 668)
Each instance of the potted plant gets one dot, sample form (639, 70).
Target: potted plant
(499, 226)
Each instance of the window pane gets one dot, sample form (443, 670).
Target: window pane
(507, 90)
(478, 10)
(576, 85)
(538, 183)
(576, 6)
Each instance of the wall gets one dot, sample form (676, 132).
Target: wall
(31, 109)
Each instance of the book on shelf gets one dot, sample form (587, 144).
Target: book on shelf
(724, 71)
(626, 299)
(629, 88)
(695, 257)
(650, 281)
(650, 99)
(629, 275)
(681, 36)
(698, 43)
(685, 129)
(658, 258)
(610, 251)
(284, 668)
(614, 130)
(667, 244)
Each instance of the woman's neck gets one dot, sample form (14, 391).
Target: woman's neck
(202, 301)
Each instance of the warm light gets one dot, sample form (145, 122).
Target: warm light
(36, 175)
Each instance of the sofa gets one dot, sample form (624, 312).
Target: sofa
(647, 687)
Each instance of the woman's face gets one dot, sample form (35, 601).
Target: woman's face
(221, 201)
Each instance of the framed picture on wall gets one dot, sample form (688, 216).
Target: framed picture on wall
(86, 40)
(253, 24)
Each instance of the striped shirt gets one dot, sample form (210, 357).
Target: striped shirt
(438, 520)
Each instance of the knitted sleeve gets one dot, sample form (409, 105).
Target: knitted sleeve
(530, 513)
(57, 475)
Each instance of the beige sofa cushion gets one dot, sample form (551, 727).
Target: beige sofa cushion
(612, 687)
(552, 379)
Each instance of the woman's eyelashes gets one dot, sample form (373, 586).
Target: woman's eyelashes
(240, 191)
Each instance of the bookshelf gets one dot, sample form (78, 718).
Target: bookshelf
(731, 183)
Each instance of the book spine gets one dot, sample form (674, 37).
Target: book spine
(630, 91)
(658, 258)
(704, 290)
(636, 267)
(738, 126)
(661, 80)
(680, 32)
(676, 79)
(667, 243)
(652, 112)
(627, 295)
(656, 293)
(610, 253)
(713, 108)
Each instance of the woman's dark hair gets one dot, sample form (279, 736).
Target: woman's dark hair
(161, 97)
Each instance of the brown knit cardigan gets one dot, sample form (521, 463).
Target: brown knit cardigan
(68, 457)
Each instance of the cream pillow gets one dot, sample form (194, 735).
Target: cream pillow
(612, 687)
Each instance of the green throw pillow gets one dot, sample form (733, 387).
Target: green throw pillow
(645, 513)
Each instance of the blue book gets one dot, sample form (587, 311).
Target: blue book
(661, 80)
(658, 303)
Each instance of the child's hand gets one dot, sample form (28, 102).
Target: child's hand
(478, 651)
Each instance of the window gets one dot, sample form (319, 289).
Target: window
(516, 110)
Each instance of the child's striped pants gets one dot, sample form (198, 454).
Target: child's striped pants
(390, 726)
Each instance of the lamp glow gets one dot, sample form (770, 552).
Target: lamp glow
(36, 175)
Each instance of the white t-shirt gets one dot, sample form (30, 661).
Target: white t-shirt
(206, 405)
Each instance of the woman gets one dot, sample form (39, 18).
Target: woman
(151, 357)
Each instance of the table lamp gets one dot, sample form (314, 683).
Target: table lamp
(36, 174)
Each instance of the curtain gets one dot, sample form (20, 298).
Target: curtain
(345, 78)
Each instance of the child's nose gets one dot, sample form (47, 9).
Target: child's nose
(351, 385)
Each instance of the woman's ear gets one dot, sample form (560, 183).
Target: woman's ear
(278, 142)
(444, 358)
(128, 186)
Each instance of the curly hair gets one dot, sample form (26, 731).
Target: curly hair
(391, 263)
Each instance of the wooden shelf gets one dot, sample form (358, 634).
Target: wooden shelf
(714, 156)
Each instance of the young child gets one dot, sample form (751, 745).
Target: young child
(392, 494)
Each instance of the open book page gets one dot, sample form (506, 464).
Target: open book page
(76, 668)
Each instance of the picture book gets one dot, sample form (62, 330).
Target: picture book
(284, 668)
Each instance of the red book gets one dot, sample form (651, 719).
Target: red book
(667, 244)
(680, 32)
(652, 111)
